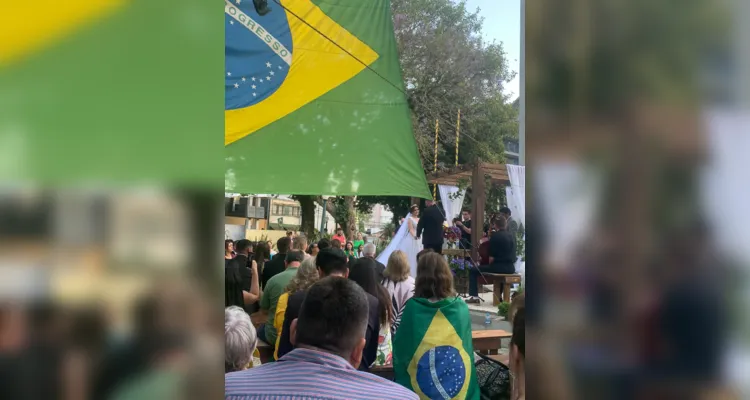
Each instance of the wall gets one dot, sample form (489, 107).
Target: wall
(256, 234)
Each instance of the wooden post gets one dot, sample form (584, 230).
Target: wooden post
(479, 199)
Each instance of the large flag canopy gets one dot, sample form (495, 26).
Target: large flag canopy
(314, 100)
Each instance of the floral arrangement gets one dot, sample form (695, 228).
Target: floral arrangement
(460, 267)
(452, 234)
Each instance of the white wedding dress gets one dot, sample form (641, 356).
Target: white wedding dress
(405, 241)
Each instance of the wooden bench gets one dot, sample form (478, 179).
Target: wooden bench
(501, 280)
(266, 351)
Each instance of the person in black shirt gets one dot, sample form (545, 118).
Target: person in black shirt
(276, 265)
(502, 257)
(465, 227)
(332, 262)
(241, 278)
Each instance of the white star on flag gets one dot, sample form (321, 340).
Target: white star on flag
(254, 94)
(253, 86)
(239, 1)
(229, 74)
(243, 79)
(279, 66)
(268, 64)
(231, 22)
(272, 73)
(236, 85)
(268, 78)
(253, 79)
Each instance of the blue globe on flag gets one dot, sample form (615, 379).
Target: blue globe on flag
(258, 53)
(441, 372)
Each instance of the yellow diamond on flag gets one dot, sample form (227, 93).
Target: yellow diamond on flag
(29, 26)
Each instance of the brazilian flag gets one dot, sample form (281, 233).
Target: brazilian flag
(432, 350)
(314, 100)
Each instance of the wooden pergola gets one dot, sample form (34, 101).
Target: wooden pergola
(476, 174)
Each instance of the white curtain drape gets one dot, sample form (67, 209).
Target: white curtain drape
(517, 195)
(452, 199)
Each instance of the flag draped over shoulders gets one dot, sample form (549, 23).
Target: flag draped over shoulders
(432, 351)
(314, 100)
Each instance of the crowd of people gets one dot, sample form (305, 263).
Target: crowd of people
(332, 313)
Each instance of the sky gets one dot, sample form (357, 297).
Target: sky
(502, 22)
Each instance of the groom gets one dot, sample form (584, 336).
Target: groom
(431, 224)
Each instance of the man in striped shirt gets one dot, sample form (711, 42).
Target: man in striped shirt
(329, 336)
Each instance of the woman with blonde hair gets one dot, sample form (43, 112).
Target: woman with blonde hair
(399, 284)
(307, 274)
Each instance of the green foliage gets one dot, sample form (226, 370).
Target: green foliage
(503, 309)
(388, 230)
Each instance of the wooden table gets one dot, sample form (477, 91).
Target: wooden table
(488, 341)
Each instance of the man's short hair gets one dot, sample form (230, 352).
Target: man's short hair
(324, 244)
(294, 256)
(242, 245)
(300, 243)
(240, 339)
(369, 250)
(505, 210)
(465, 209)
(283, 244)
(336, 244)
(289, 233)
(331, 261)
(333, 316)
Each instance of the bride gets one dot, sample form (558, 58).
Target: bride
(406, 241)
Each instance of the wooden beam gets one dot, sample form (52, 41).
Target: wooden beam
(479, 199)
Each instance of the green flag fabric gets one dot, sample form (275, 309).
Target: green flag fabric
(314, 100)
(111, 93)
(432, 351)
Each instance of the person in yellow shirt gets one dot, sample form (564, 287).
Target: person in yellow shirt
(307, 274)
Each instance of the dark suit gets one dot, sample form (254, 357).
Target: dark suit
(272, 268)
(379, 267)
(430, 228)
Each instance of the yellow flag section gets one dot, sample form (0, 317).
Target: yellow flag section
(318, 66)
(440, 368)
(30, 26)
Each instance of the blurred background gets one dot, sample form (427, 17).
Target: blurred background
(111, 187)
(638, 129)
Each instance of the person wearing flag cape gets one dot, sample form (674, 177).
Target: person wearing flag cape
(433, 353)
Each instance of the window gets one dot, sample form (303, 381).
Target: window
(288, 211)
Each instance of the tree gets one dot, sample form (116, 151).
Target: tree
(448, 66)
